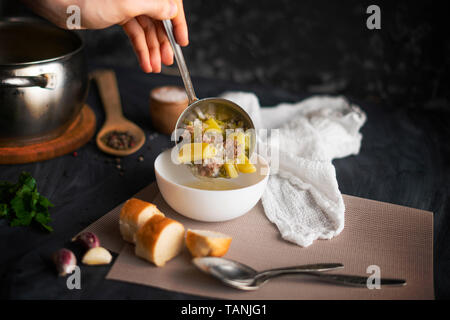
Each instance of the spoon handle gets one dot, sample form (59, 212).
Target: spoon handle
(272, 273)
(356, 281)
(180, 62)
(109, 93)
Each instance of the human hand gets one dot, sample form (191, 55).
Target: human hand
(140, 19)
(148, 36)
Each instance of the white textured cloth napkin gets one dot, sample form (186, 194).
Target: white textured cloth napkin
(303, 198)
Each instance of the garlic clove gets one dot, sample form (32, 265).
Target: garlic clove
(65, 261)
(88, 240)
(97, 256)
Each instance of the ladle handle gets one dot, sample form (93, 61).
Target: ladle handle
(109, 93)
(180, 62)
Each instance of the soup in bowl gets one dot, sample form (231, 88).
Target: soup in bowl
(206, 199)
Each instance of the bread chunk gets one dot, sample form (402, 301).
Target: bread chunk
(159, 240)
(133, 215)
(203, 243)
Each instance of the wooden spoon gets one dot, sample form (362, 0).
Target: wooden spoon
(115, 120)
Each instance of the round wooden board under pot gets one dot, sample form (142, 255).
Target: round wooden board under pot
(78, 134)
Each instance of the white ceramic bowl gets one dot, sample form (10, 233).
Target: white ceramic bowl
(181, 190)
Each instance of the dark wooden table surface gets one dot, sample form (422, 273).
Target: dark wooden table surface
(404, 159)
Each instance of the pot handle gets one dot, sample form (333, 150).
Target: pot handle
(46, 80)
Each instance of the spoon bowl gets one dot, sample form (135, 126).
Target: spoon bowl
(115, 120)
(122, 126)
(225, 268)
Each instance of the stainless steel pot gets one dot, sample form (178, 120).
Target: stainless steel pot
(43, 80)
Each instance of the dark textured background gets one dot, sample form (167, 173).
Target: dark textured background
(312, 46)
(284, 51)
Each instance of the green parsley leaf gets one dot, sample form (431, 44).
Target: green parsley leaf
(22, 204)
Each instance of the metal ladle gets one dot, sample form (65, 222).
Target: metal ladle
(201, 106)
(243, 277)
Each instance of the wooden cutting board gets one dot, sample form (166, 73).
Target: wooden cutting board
(78, 134)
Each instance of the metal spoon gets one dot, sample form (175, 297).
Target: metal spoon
(238, 274)
(196, 107)
(115, 120)
(241, 276)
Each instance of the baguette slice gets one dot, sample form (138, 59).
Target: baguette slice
(202, 243)
(159, 240)
(133, 215)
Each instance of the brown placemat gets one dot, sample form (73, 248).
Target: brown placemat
(397, 239)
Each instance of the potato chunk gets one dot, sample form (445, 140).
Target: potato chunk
(230, 168)
(197, 151)
(212, 124)
(246, 167)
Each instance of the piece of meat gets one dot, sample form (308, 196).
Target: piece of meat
(208, 169)
(232, 150)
